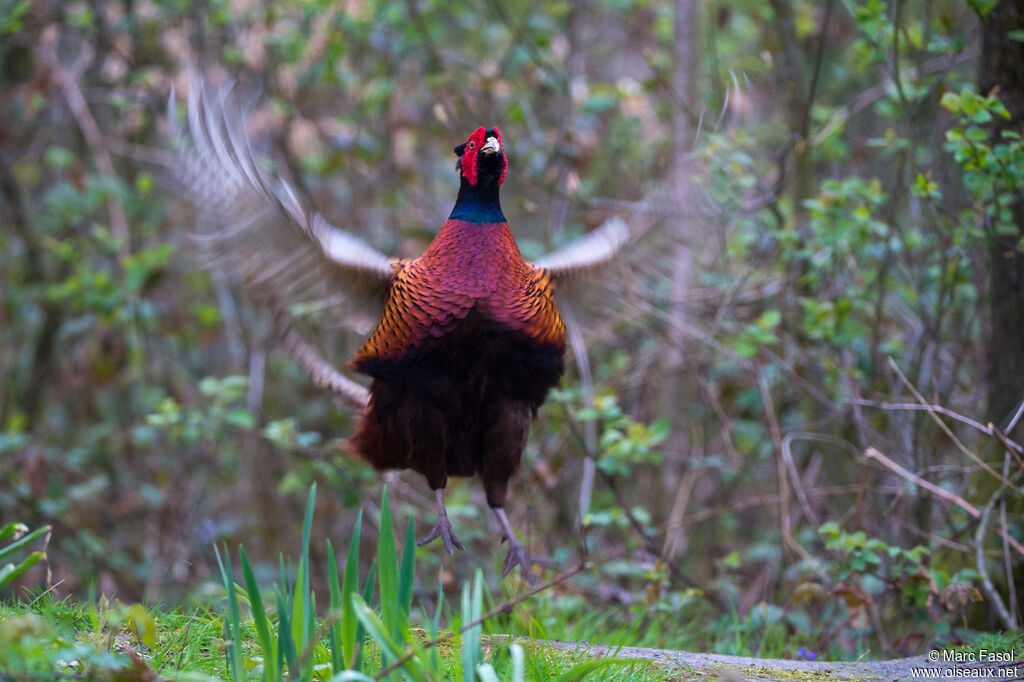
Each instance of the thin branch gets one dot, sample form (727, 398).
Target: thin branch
(953, 498)
(872, 453)
(1008, 445)
(870, 96)
(68, 84)
(1009, 620)
(949, 432)
(1007, 560)
(939, 409)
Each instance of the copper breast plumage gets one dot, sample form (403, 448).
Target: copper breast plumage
(469, 268)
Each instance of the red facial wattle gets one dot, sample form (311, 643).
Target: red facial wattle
(469, 157)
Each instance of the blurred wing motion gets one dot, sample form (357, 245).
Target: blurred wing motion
(255, 227)
(590, 251)
(322, 372)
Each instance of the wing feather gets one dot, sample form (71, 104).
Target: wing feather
(588, 252)
(255, 227)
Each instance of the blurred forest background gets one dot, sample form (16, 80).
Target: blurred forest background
(793, 404)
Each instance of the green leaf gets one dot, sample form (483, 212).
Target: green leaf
(232, 623)
(829, 528)
(769, 319)
(27, 540)
(302, 607)
(240, 417)
(472, 609)
(11, 572)
(350, 676)
(260, 620)
(951, 101)
(518, 662)
(405, 576)
(581, 670)
(486, 673)
(387, 567)
(335, 634)
(143, 624)
(285, 640)
(390, 648)
(351, 586)
(13, 528)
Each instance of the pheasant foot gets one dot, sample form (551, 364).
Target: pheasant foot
(443, 528)
(517, 554)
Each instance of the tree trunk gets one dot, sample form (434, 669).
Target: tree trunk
(1002, 66)
(676, 388)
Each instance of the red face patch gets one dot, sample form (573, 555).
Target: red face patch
(469, 156)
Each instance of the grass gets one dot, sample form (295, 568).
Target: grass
(366, 627)
(276, 633)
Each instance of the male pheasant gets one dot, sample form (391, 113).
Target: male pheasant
(470, 340)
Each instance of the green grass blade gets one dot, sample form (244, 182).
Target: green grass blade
(406, 573)
(351, 676)
(335, 634)
(387, 571)
(581, 670)
(232, 623)
(486, 673)
(12, 528)
(271, 670)
(472, 609)
(10, 572)
(301, 607)
(371, 580)
(518, 662)
(349, 622)
(434, 625)
(18, 544)
(391, 649)
(285, 642)
(284, 581)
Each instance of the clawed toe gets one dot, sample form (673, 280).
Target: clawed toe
(518, 556)
(442, 529)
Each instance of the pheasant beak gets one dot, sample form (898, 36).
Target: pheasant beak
(492, 146)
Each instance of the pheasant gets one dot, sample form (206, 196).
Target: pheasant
(470, 340)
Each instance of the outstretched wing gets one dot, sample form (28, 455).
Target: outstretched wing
(586, 253)
(254, 226)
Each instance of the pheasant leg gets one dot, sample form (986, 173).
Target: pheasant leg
(443, 528)
(517, 554)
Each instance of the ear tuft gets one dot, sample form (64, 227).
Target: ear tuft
(460, 149)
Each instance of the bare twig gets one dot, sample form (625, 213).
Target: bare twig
(1007, 561)
(675, 537)
(763, 500)
(949, 432)
(68, 84)
(1009, 619)
(776, 433)
(1008, 444)
(938, 409)
(872, 453)
(871, 95)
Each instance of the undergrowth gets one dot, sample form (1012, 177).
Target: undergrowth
(367, 630)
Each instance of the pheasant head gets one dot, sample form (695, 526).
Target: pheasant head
(482, 158)
(482, 167)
